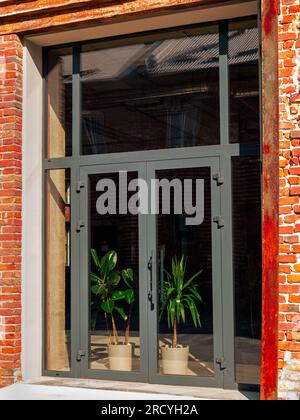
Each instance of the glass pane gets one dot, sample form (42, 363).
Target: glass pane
(58, 271)
(59, 90)
(114, 293)
(156, 93)
(244, 82)
(193, 354)
(247, 267)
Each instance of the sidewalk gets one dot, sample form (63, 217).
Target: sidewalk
(44, 392)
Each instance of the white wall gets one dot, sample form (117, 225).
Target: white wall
(32, 213)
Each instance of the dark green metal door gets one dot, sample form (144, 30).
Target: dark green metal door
(147, 242)
(197, 239)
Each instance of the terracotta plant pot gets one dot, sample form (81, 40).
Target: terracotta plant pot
(120, 357)
(175, 360)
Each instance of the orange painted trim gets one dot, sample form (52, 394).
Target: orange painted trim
(39, 15)
(270, 199)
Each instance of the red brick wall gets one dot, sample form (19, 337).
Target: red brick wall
(10, 207)
(289, 73)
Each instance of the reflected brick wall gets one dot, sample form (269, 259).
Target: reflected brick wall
(10, 207)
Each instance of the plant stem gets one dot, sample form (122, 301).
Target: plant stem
(128, 326)
(115, 333)
(174, 342)
(107, 328)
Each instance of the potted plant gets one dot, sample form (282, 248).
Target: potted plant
(180, 294)
(105, 284)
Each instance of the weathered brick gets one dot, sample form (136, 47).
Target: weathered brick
(10, 213)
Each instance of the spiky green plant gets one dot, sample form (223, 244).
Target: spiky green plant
(180, 295)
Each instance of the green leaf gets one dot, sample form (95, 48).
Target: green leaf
(170, 290)
(130, 296)
(195, 314)
(121, 312)
(127, 275)
(108, 262)
(95, 278)
(108, 306)
(187, 284)
(182, 311)
(95, 258)
(97, 289)
(196, 294)
(114, 278)
(118, 295)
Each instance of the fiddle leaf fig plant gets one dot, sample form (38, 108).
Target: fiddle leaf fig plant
(180, 295)
(104, 286)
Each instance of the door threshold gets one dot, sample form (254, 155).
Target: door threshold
(136, 387)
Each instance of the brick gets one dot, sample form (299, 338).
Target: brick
(287, 259)
(295, 134)
(286, 230)
(296, 249)
(10, 211)
(289, 289)
(295, 9)
(295, 190)
(289, 346)
(286, 326)
(287, 36)
(294, 278)
(294, 170)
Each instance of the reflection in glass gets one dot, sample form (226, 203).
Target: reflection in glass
(114, 280)
(244, 81)
(58, 283)
(59, 92)
(162, 92)
(176, 239)
(247, 267)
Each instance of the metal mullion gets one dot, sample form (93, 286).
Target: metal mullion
(60, 163)
(224, 82)
(76, 103)
(75, 273)
(227, 273)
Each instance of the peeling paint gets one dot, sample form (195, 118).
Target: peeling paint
(270, 194)
(271, 13)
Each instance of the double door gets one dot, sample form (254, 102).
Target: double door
(139, 220)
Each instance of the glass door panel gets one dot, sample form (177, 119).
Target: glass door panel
(194, 243)
(114, 268)
(116, 236)
(187, 316)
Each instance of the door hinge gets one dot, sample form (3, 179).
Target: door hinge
(220, 221)
(80, 185)
(218, 178)
(80, 355)
(79, 226)
(221, 361)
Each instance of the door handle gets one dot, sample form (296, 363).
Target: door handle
(150, 293)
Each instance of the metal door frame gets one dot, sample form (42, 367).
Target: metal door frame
(85, 371)
(223, 299)
(154, 377)
(77, 163)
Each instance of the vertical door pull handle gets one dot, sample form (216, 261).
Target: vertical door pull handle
(150, 293)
